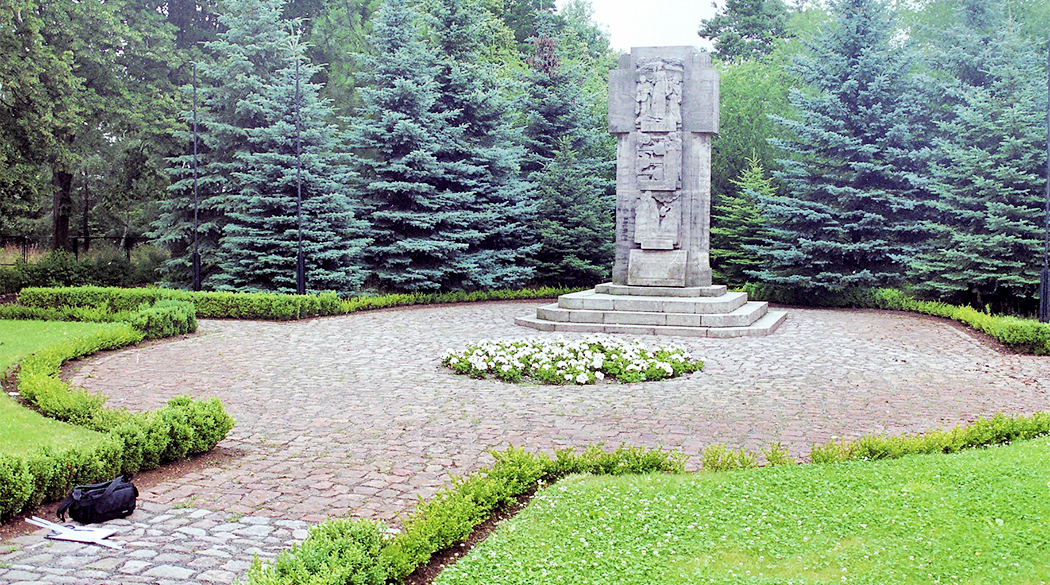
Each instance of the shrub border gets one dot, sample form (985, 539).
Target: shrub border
(73, 302)
(131, 442)
(1021, 335)
(347, 550)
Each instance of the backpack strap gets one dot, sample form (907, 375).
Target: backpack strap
(66, 503)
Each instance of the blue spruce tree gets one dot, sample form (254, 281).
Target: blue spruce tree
(988, 166)
(287, 200)
(482, 152)
(855, 198)
(421, 230)
(246, 160)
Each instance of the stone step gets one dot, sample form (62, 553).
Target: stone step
(764, 326)
(590, 300)
(609, 288)
(742, 316)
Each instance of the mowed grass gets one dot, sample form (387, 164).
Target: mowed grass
(23, 430)
(978, 517)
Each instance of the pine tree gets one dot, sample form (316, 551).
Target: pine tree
(259, 247)
(563, 159)
(398, 135)
(854, 197)
(246, 120)
(989, 163)
(738, 230)
(482, 153)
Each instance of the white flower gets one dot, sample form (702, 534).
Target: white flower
(599, 375)
(582, 379)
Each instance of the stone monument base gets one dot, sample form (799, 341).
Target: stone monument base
(704, 311)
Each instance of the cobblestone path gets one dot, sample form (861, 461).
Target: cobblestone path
(353, 415)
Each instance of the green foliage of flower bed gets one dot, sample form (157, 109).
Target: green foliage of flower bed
(447, 518)
(973, 517)
(560, 361)
(132, 442)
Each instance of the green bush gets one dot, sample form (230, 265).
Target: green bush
(999, 429)
(165, 319)
(336, 552)
(134, 441)
(16, 485)
(1021, 335)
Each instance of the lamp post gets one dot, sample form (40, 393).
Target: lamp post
(300, 261)
(1044, 280)
(196, 245)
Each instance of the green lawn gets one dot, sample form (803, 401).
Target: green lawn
(975, 517)
(23, 430)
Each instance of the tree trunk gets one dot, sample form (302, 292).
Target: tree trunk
(62, 182)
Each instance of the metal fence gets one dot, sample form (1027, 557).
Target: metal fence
(77, 246)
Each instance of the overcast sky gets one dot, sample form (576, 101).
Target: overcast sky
(652, 23)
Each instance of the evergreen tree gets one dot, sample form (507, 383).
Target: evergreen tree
(419, 228)
(988, 164)
(746, 29)
(738, 230)
(854, 197)
(576, 221)
(482, 152)
(247, 168)
(575, 190)
(259, 246)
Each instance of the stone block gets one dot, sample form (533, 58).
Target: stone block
(634, 318)
(682, 331)
(580, 316)
(656, 268)
(741, 317)
(552, 313)
(684, 320)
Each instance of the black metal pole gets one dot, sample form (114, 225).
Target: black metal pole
(300, 261)
(196, 244)
(1044, 280)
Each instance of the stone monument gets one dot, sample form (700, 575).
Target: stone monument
(663, 109)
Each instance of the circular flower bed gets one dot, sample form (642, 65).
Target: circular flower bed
(560, 361)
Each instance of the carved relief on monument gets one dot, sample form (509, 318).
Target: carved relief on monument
(659, 161)
(658, 99)
(658, 217)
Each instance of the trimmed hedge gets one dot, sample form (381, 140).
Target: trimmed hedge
(1020, 335)
(105, 304)
(449, 517)
(135, 441)
(164, 319)
(355, 551)
(998, 430)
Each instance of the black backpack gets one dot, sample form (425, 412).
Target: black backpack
(99, 502)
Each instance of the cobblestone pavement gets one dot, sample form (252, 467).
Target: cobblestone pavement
(353, 415)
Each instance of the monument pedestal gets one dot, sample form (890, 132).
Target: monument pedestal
(663, 109)
(705, 311)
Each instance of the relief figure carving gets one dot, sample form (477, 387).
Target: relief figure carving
(659, 95)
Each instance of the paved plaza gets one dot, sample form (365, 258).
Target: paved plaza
(354, 416)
